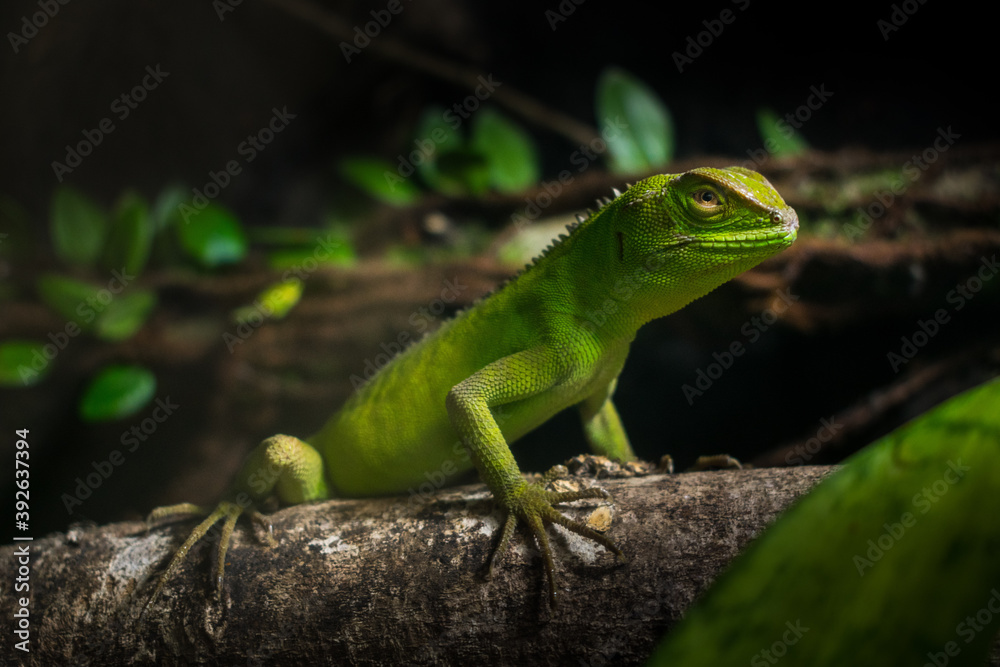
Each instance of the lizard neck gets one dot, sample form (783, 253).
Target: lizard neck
(590, 276)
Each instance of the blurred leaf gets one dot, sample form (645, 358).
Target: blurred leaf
(434, 136)
(109, 315)
(779, 137)
(213, 237)
(380, 179)
(887, 562)
(299, 258)
(509, 151)
(330, 246)
(273, 303)
(282, 297)
(73, 299)
(17, 363)
(131, 235)
(463, 171)
(117, 392)
(404, 256)
(165, 210)
(124, 315)
(78, 227)
(635, 123)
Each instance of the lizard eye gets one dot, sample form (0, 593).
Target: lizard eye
(706, 199)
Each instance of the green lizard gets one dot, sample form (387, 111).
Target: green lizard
(553, 337)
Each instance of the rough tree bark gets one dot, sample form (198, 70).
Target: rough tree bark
(398, 580)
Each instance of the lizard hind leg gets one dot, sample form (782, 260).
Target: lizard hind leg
(281, 466)
(226, 509)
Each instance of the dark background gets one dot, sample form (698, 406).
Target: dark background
(226, 76)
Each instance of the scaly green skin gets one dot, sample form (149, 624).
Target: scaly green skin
(554, 337)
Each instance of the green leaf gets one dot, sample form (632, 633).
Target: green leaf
(73, 299)
(109, 315)
(380, 179)
(433, 137)
(511, 159)
(213, 237)
(884, 562)
(124, 315)
(302, 259)
(331, 246)
(463, 171)
(279, 299)
(273, 303)
(635, 123)
(17, 367)
(166, 209)
(117, 392)
(779, 138)
(78, 227)
(131, 235)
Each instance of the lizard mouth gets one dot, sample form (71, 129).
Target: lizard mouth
(783, 236)
(759, 240)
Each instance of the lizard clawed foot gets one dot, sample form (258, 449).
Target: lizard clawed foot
(532, 504)
(227, 510)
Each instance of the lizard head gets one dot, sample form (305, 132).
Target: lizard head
(689, 233)
(722, 215)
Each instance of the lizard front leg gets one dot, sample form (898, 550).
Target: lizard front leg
(603, 427)
(470, 409)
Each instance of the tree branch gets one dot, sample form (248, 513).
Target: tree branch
(399, 580)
